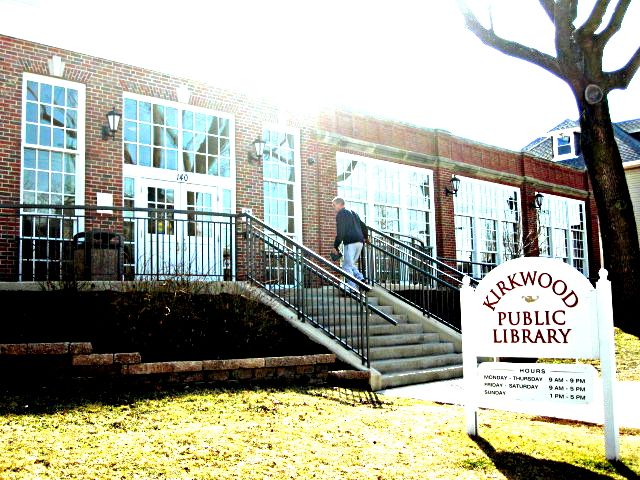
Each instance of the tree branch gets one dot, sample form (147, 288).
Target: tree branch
(565, 14)
(622, 77)
(549, 8)
(615, 23)
(595, 18)
(508, 47)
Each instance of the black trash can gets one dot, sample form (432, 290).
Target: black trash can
(97, 255)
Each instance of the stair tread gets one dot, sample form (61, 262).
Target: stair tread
(391, 361)
(426, 375)
(420, 362)
(410, 373)
(409, 352)
(412, 347)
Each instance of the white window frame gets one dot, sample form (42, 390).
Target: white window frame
(163, 174)
(297, 187)
(471, 210)
(554, 225)
(403, 206)
(79, 152)
(571, 133)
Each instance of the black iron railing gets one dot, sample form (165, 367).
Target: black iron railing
(410, 273)
(77, 242)
(476, 270)
(313, 287)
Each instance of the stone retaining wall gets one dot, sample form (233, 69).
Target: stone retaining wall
(77, 360)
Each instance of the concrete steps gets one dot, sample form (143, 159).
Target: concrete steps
(402, 354)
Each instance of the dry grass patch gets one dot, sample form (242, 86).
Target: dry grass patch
(627, 357)
(289, 434)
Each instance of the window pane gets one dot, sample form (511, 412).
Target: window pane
(58, 137)
(130, 132)
(32, 112)
(144, 134)
(29, 158)
(72, 118)
(56, 161)
(144, 111)
(58, 96)
(32, 90)
(31, 134)
(45, 93)
(144, 157)
(72, 98)
(130, 154)
(130, 109)
(172, 117)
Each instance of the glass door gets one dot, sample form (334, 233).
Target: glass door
(174, 243)
(158, 247)
(207, 238)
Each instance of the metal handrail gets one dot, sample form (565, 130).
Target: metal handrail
(414, 276)
(311, 253)
(426, 256)
(422, 260)
(467, 262)
(311, 286)
(336, 270)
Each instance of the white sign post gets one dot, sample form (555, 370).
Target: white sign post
(538, 307)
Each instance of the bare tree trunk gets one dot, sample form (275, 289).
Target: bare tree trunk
(618, 227)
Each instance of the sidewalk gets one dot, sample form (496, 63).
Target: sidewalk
(452, 392)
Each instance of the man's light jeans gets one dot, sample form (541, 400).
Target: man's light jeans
(350, 257)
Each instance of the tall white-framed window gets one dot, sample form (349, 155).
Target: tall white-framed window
(488, 225)
(392, 197)
(173, 137)
(52, 173)
(281, 176)
(562, 231)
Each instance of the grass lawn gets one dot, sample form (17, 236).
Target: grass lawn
(297, 433)
(627, 357)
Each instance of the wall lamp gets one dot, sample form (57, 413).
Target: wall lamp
(455, 186)
(113, 121)
(537, 201)
(257, 152)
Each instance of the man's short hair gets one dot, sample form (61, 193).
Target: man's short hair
(338, 201)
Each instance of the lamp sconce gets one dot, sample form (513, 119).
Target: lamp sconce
(311, 160)
(537, 201)
(256, 153)
(455, 186)
(113, 121)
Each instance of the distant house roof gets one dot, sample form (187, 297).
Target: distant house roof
(630, 126)
(626, 134)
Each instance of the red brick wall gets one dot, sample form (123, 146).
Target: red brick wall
(106, 81)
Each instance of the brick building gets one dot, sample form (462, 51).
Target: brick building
(184, 145)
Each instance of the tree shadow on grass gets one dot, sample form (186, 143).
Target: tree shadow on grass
(520, 466)
(52, 398)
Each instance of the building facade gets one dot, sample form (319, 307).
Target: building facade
(186, 145)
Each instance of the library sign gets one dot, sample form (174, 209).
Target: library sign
(536, 307)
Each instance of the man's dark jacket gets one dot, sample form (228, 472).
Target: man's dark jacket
(347, 229)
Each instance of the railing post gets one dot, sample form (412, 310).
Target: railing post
(299, 282)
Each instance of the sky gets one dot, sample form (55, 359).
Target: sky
(407, 60)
